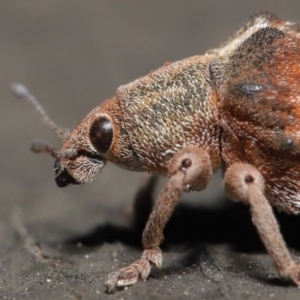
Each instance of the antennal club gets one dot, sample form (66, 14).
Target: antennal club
(22, 92)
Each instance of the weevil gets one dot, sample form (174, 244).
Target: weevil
(236, 107)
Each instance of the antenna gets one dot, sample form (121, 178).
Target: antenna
(38, 147)
(21, 92)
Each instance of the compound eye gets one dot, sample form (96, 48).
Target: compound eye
(101, 134)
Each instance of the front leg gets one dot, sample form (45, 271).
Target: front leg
(244, 183)
(190, 166)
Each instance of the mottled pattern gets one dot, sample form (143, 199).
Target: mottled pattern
(169, 109)
(240, 103)
(258, 85)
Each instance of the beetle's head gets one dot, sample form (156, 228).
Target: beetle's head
(81, 157)
(85, 149)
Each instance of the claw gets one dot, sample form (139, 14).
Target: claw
(128, 275)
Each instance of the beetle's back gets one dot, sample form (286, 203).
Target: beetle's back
(172, 107)
(259, 90)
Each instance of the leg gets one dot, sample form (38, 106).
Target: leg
(190, 166)
(244, 183)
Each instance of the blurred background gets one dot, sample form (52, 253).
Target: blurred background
(73, 55)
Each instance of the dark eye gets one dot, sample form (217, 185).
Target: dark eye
(101, 134)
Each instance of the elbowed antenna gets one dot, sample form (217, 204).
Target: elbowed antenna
(38, 147)
(21, 91)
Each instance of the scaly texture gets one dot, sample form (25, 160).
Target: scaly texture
(169, 109)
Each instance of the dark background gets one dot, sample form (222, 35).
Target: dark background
(73, 55)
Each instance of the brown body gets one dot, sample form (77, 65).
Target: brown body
(259, 105)
(236, 107)
(240, 102)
